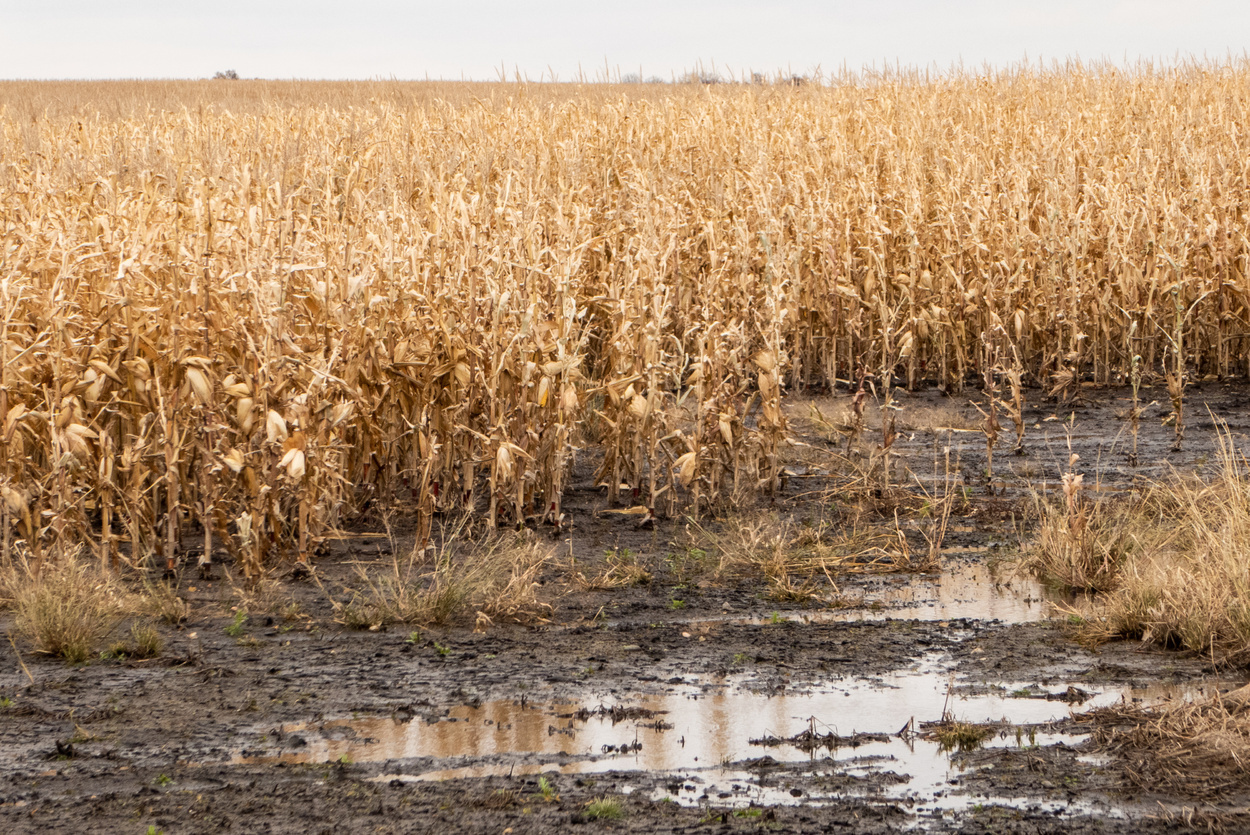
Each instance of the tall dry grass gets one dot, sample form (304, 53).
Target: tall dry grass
(67, 609)
(263, 306)
(1170, 563)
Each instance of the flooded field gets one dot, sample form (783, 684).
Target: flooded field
(717, 742)
(950, 699)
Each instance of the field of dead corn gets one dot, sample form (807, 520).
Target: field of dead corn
(755, 355)
(257, 307)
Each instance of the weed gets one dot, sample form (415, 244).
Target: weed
(292, 611)
(235, 627)
(547, 790)
(414, 637)
(604, 808)
(148, 642)
(675, 604)
(5, 703)
(1169, 561)
(688, 565)
(952, 734)
(442, 650)
(161, 601)
(163, 780)
(500, 799)
(67, 608)
(497, 579)
(623, 569)
(356, 614)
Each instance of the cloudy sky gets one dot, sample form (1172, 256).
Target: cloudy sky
(476, 38)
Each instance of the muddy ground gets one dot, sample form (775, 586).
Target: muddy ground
(679, 705)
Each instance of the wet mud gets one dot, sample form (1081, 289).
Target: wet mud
(731, 712)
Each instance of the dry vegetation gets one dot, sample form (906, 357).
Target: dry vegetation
(266, 312)
(1194, 749)
(66, 609)
(1169, 563)
(493, 580)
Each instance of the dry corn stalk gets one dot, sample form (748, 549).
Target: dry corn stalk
(273, 313)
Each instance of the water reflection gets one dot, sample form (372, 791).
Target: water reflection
(964, 590)
(689, 730)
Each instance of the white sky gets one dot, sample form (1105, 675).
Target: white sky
(473, 38)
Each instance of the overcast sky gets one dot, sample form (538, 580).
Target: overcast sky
(474, 38)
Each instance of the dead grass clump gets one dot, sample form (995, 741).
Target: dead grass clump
(146, 641)
(1170, 562)
(262, 593)
(793, 558)
(66, 609)
(505, 581)
(162, 601)
(621, 569)
(1192, 749)
(1084, 545)
(398, 597)
(1193, 589)
(496, 580)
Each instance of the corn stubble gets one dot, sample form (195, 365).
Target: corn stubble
(266, 317)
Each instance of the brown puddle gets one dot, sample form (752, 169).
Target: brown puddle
(686, 730)
(701, 742)
(964, 590)
(967, 590)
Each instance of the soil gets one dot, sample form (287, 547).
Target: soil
(292, 722)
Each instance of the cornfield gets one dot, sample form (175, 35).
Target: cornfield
(262, 313)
